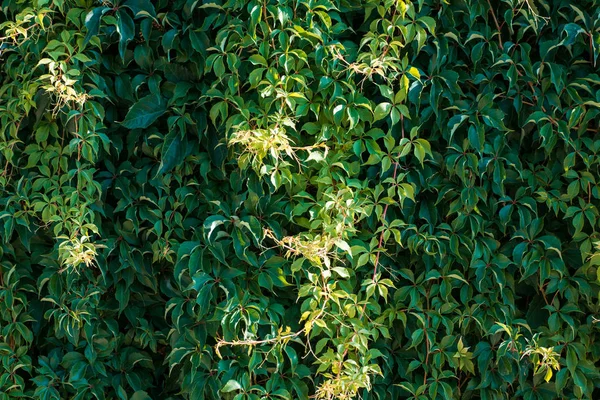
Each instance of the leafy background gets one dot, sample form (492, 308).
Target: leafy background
(293, 198)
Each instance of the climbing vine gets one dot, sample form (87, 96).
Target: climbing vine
(292, 199)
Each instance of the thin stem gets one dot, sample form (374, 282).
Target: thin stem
(306, 329)
(427, 344)
(541, 287)
(497, 25)
(257, 342)
(385, 209)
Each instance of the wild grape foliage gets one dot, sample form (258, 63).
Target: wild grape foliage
(292, 199)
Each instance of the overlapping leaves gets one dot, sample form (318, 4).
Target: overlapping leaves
(261, 199)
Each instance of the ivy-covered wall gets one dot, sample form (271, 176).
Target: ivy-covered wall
(293, 199)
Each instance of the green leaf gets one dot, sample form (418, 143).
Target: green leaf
(140, 395)
(211, 223)
(343, 272)
(571, 359)
(143, 113)
(231, 386)
(476, 137)
(455, 122)
(429, 23)
(171, 153)
(572, 30)
(141, 8)
(126, 31)
(92, 22)
(421, 148)
(257, 59)
(382, 110)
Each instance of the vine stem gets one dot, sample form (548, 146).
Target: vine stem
(306, 329)
(385, 209)
(380, 245)
(497, 25)
(427, 344)
(257, 342)
(592, 56)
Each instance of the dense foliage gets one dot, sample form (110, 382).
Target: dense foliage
(277, 199)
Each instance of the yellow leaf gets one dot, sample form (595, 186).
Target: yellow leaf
(548, 375)
(414, 72)
(402, 7)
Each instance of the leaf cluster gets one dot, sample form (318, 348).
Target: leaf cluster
(284, 199)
